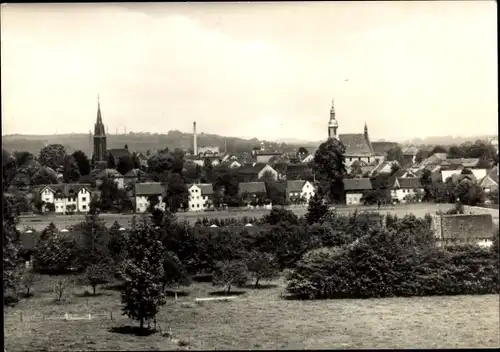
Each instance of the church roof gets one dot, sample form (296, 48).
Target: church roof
(356, 144)
(118, 153)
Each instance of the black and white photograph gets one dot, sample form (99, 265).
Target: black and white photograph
(256, 175)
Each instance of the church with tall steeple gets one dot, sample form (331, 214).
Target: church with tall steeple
(101, 155)
(358, 145)
(99, 137)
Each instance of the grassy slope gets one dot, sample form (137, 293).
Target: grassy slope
(258, 319)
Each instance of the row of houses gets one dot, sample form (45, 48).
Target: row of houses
(77, 197)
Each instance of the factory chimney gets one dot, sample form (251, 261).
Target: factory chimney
(195, 146)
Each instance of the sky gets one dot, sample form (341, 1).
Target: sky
(266, 70)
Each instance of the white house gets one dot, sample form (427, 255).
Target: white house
(308, 159)
(299, 189)
(67, 197)
(234, 164)
(489, 183)
(144, 192)
(354, 189)
(405, 188)
(111, 174)
(200, 196)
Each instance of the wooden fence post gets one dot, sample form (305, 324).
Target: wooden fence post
(111, 314)
(21, 317)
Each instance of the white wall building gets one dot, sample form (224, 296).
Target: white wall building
(405, 188)
(200, 196)
(67, 197)
(144, 191)
(300, 189)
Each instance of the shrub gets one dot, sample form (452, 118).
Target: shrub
(262, 266)
(28, 280)
(56, 255)
(97, 274)
(280, 215)
(175, 272)
(316, 210)
(387, 262)
(229, 273)
(60, 287)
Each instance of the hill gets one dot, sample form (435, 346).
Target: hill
(140, 142)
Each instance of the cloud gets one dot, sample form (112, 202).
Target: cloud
(162, 72)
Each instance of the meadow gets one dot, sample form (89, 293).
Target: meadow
(255, 319)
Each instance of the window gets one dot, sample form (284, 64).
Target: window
(197, 205)
(84, 207)
(192, 205)
(84, 199)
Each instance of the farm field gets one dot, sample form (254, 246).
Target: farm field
(256, 319)
(62, 221)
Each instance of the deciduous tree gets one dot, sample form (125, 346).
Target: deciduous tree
(330, 169)
(52, 156)
(143, 273)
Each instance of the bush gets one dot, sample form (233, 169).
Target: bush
(175, 273)
(28, 280)
(97, 274)
(229, 273)
(262, 266)
(280, 215)
(387, 263)
(56, 255)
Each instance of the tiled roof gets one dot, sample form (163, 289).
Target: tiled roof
(66, 188)
(252, 187)
(383, 147)
(296, 167)
(111, 173)
(295, 185)
(410, 151)
(493, 174)
(206, 189)
(251, 169)
(118, 153)
(149, 189)
(409, 182)
(357, 184)
(355, 144)
(465, 162)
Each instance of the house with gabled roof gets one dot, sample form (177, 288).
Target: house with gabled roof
(143, 193)
(200, 196)
(354, 189)
(489, 183)
(254, 172)
(299, 189)
(110, 174)
(67, 197)
(406, 188)
(253, 190)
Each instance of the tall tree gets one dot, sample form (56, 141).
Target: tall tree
(10, 245)
(82, 161)
(177, 195)
(396, 154)
(330, 169)
(316, 210)
(438, 149)
(71, 172)
(52, 156)
(143, 273)
(95, 241)
(125, 164)
(207, 171)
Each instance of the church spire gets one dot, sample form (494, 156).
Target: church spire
(99, 126)
(332, 124)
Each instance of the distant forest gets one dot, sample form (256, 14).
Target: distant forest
(139, 142)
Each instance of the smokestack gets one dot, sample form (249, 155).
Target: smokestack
(195, 145)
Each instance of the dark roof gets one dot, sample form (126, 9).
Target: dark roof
(451, 167)
(253, 187)
(357, 184)
(111, 173)
(466, 162)
(383, 147)
(207, 189)
(295, 185)
(409, 182)
(118, 153)
(149, 189)
(296, 167)
(251, 169)
(493, 174)
(355, 144)
(66, 188)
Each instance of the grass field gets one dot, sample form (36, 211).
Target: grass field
(256, 319)
(62, 221)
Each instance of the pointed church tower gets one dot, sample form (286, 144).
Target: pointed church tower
(367, 138)
(333, 124)
(99, 136)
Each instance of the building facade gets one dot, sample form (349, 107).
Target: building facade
(67, 198)
(358, 145)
